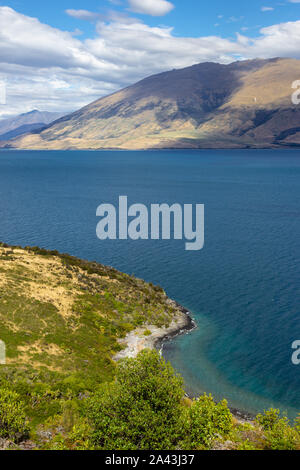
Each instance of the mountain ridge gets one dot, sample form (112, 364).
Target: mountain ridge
(244, 104)
(26, 122)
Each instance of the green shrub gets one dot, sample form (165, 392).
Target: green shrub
(207, 421)
(79, 437)
(269, 419)
(279, 434)
(67, 431)
(247, 445)
(12, 418)
(141, 410)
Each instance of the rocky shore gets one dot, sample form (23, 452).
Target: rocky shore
(150, 336)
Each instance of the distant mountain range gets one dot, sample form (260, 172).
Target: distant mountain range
(245, 104)
(24, 123)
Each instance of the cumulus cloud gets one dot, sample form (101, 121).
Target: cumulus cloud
(151, 7)
(50, 69)
(280, 40)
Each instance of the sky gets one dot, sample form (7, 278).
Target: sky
(63, 54)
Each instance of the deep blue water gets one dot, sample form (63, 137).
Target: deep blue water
(242, 288)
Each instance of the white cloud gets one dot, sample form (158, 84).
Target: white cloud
(280, 40)
(83, 14)
(52, 70)
(267, 8)
(151, 7)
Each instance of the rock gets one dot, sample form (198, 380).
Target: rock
(227, 445)
(45, 435)
(27, 445)
(5, 444)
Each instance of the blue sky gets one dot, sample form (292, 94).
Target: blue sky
(63, 54)
(189, 17)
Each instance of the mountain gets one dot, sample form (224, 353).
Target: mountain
(245, 104)
(24, 123)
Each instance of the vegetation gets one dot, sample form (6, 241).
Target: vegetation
(145, 408)
(279, 434)
(205, 421)
(62, 319)
(12, 417)
(141, 410)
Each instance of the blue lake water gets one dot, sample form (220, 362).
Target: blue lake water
(242, 288)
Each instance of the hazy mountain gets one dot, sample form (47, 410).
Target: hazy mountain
(26, 122)
(243, 104)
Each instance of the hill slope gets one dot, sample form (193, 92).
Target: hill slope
(24, 123)
(244, 104)
(66, 316)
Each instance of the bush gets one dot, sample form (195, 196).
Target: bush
(247, 445)
(269, 419)
(279, 434)
(141, 410)
(206, 422)
(12, 418)
(65, 431)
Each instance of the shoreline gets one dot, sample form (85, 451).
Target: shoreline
(189, 325)
(137, 340)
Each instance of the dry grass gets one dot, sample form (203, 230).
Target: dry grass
(68, 315)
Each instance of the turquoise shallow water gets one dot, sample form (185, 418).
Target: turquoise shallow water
(242, 288)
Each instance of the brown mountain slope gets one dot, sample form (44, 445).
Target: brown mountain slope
(243, 104)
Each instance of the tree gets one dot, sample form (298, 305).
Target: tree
(206, 421)
(141, 409)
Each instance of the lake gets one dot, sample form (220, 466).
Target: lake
(242, 288)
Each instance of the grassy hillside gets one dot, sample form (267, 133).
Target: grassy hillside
(62, 319)
(209, 105)
(65, 315)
